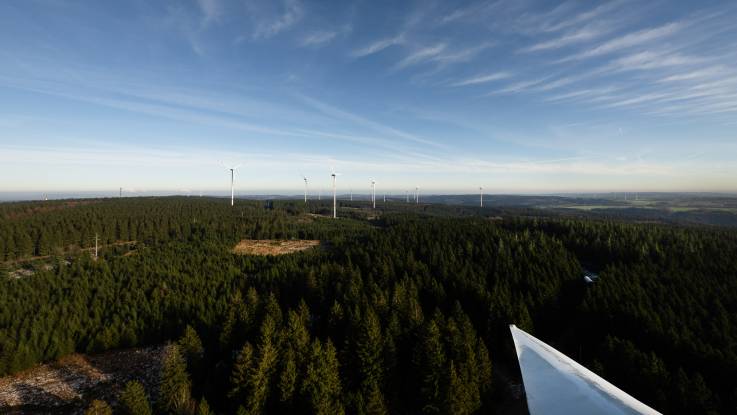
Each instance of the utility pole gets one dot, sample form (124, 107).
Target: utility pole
(120, 194)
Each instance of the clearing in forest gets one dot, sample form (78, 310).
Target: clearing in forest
(272, 246)
(69, 384)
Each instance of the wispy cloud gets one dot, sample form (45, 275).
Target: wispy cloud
(582, 93)
(341, 114)
(449, 57)
(584, 34)
(651, 60)
(697, 74)
(317, 38)
(377, 46)
(473, 10)
(212, 11)
(421, 55)
(482, 79)
(292, 14)
(519, 86)
(629, 40)
(563, 16)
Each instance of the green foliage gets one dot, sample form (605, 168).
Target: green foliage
(133, 399)
(407, 313)
(203, 408)
(321, 386)
(174, 390)
(192, 349)
(98, 407)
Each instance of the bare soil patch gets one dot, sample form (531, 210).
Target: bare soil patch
(272, 246)
(69, 384)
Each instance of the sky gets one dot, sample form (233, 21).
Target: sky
(516, 96)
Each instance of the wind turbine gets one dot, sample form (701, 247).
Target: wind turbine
(481, 191)
(406, 195)
(417, 195)
(305, 179)
(333, 174)
(232, 188)
(373, 192)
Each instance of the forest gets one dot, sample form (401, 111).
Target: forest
(403, 309)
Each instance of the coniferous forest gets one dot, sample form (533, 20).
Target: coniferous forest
(400, 310)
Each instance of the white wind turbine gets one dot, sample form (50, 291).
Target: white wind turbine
(305, 179)
(232, 174)
(333, 174)
(373, 192)
(417, 195)
(481, 192)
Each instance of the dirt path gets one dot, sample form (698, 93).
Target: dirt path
(42, 257)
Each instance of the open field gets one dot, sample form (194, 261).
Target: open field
(272, 246)
(67, 385)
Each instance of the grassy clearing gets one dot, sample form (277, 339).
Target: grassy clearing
(272, 246)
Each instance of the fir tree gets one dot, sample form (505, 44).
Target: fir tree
(321, 386)
(203, 408)
(98, 407)
(133, 399)
(240, 373)
(174, 390)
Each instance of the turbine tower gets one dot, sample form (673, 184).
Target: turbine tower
(305, 179)
(333, 174)
(417, 195)
(406, 196)
(232, 178)
(373, 192)
(481, 191)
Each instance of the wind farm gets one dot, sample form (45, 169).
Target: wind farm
(303, 207)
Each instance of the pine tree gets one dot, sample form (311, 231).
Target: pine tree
(98, 407)
(368, 351)
(191, 347)
(133, 399)
(259, 378)
(288, 378)
(457, 399)
(174, 390)
(240, 373)
(484, 369)
(374, 400)
(321, 386)
(429, 358)
(203, 408)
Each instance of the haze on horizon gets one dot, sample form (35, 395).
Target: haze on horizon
(515, 96)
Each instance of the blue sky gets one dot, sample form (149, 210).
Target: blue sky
(516, 96)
